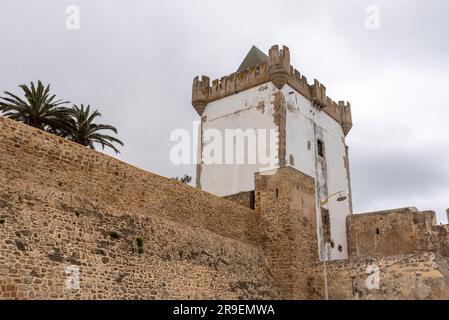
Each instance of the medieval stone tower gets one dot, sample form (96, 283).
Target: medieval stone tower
(267, 93)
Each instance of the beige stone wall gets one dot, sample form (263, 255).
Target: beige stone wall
(286, 202)
(422, 276)
(64, 205)
(245, 199)
(393, 232)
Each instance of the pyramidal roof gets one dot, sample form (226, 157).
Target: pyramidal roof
(254, 57)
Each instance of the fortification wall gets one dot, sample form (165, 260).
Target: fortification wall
(393, 232)
(246, 199)
(287, 205)
(64, 207)
(422, 276)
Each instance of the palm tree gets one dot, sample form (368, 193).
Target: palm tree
(81, 129)
(39, 109)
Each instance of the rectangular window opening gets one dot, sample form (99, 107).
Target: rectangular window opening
(325, 220)
(252, 200)
(320, 148)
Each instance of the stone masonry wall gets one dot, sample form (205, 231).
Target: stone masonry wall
(130, 234)
(68, 213)
(245, 199)
(287, 204)
(421, 276)
(394, 232)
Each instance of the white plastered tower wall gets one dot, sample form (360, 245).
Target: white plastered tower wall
(246, 100)
(305, 125)
(249, 109)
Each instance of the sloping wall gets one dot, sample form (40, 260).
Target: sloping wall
(69, 213)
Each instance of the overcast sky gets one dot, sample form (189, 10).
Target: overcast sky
(135, 61)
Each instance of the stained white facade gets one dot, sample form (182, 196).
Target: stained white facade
(305, 125)
(249, 109)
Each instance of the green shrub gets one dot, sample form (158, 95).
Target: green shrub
(114, 235)
(139, 242)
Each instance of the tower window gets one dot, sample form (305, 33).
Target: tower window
(277, 193)
(292, 160)
(320, 148)
(326, 225)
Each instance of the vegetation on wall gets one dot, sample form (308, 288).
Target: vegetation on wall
(114, 235)
(139, 242)
(40, 109)
(185, 179)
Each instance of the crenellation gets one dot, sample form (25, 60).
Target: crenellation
(216, 85)
(230, 83)
(279, 66)
(279, 56)
(279, 71)
(200, 93)
(200, 83)
(346, 116)
(299, 83)
(318, 91)
(300, 79)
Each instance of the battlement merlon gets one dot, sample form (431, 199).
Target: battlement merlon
(279, 71)
(279, 65)
(319, 96)
(200, 93)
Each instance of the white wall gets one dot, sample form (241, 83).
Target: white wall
(300, 130)
(243, 110)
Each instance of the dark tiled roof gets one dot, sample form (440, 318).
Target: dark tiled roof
(254, 57)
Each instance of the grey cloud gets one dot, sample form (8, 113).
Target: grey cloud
(398, 174)
(135, 61)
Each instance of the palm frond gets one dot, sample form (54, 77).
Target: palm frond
(84, 131)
